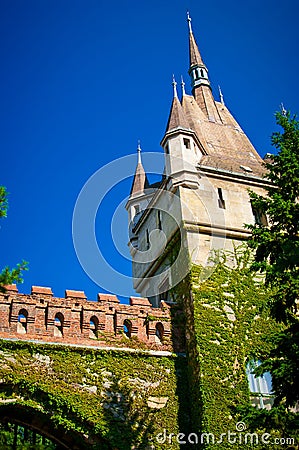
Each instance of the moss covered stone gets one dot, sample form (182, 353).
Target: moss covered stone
(102, 397)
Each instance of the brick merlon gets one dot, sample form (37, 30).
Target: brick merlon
(41, 290)
(139, 301)
(108, 298)
(11, 288)
(75, 294)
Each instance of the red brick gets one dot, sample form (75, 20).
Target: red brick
(139, 301)
(41, 290)
(75, 294)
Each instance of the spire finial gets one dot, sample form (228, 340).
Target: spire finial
(189, 21)
(174, 84)
(221, 95)
(183, 85)
(139, 152)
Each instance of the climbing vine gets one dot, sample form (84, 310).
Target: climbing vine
(227, 325)
(113, 397)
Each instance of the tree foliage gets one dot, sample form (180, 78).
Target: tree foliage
(9, 276)
(276, 247)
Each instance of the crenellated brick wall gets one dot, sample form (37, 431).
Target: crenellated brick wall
(76, 320)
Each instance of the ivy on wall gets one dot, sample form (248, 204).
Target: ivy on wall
(113, 399)
(227, 325)
(120, 400)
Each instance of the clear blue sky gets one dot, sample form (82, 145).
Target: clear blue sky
(82, 81)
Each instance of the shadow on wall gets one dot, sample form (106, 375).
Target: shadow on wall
(88, 398)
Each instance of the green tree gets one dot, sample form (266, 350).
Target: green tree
(9, 276)
(276, 247)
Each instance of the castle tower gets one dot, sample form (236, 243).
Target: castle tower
(209, 166)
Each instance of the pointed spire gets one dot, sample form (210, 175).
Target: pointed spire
(189, 22)
(221, 95)
(183, 86)
(198, 70)
(174, 84)
(140, 181)
(201, 88)
(194, 55)
(139, 153)
(177, 117)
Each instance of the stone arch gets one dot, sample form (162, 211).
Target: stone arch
(58, 324)
(93, 327)
(159, 333)
(22, 321)
(128, 328)
(40, 422)
(40, 418)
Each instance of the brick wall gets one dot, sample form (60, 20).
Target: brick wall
(76, 320)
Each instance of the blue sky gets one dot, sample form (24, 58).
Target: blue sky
(82, 81)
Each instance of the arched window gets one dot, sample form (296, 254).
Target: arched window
(22, 321)
(93, 327)
(128, 328)
(159, 333)
(58, 325)
(202, 73)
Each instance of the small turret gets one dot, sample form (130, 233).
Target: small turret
(140, 181)
(140, 193)
(180, 145)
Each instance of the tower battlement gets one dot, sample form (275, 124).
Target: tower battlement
(76, 320)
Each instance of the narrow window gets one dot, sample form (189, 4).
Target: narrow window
(197, 73)
(187, 143)
(58, 325)
(22, 321)
(93, 327)
(128, 328)
(159, 333)
(259, 217)
(147, 239)
(221, 201)
(202, 73)
(159, 222)
(137, 209)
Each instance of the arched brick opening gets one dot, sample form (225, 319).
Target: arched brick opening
(128, 328)
(22, 321)
(58, 325)
(93, 327)
(39, 422)
(159, 332)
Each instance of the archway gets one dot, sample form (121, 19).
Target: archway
(30, 418)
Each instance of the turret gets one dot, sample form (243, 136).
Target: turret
(180, 145)
(139, 198)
